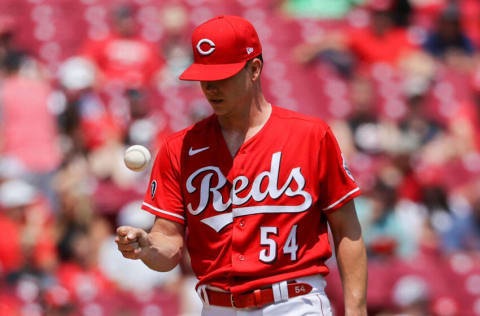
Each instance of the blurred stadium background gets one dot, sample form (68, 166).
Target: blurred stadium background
(398, 81)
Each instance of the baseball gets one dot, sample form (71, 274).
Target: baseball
(137, 158)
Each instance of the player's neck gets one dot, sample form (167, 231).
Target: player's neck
(239, 128)
(249, 117)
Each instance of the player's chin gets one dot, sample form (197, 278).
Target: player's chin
(219, 108)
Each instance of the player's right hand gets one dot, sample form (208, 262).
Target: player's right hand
(132, 242)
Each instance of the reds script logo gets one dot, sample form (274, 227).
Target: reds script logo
(239, 184)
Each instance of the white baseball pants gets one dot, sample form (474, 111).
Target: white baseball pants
(314, 303)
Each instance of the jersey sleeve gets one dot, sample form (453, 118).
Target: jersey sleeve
(163, 197)
(337, 185)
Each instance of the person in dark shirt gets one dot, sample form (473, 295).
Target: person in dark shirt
(448, 36)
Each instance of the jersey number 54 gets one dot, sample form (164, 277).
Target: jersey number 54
(269, 255)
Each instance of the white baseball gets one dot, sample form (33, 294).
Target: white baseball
(137, 158)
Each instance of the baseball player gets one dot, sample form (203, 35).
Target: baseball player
(249, 191)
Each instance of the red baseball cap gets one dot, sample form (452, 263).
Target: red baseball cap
(221, 48)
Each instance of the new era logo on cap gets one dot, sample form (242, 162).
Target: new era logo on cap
(221, 48)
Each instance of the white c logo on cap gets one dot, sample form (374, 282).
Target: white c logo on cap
(209, 42)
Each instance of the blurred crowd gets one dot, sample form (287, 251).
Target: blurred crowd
(81, 80)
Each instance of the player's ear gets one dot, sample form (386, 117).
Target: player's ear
(255, 68)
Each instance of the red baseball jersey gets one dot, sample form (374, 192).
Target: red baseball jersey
(259, 217)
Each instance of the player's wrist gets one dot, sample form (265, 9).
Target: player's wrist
(145, 245)
(356, 311)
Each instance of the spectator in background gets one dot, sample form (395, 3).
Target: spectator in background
(384, 232)
(12, 202)
(30, 246)
(461, 230)
(79, 272)
(27, 126)
(175, 43)
(449, 224)
(385, 39)
(98, 134)
(7, 26)
(448, 36)
(128, 66)
(416, 129)
(86, 119)
(363, 122)
(124, 57)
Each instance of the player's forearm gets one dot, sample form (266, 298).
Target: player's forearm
(351, 258)
(164, 252)
(352, 263)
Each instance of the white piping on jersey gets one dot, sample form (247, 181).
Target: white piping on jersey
(220, 221)
(343, 198)
(263, 209)
(162, 211)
